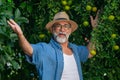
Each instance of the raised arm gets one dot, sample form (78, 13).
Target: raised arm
(94, 23)
(24, 44)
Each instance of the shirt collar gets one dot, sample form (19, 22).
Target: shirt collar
(55, 44)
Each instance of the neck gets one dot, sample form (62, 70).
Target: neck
(64, 45)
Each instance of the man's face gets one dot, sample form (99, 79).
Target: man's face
(61, 31)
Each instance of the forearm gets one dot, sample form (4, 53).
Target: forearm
(25, 45)
(91, 44)
(91, 48)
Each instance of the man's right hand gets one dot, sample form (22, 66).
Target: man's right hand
(15, 27)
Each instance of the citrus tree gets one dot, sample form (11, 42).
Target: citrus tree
(10, 55)
(33, 15)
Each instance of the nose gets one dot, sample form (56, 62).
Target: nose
(62, 28)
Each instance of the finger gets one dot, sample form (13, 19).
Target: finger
(11, 25)
(97, 15)
(91, 18)
(86, 39)
(12, 22)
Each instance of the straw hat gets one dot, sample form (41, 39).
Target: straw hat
(61, 16)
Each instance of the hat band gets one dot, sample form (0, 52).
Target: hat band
(61, 19)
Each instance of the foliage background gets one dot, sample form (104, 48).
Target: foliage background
(32, 16)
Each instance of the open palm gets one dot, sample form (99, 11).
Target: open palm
(15, 27)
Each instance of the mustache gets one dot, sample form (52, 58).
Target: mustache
(63, 33)
(60, 33)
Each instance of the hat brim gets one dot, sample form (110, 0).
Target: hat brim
(50, 24)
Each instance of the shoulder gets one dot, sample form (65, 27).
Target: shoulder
(73, 45)
(41, 45)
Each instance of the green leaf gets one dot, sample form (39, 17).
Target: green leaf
(9, 1)
(2, 60)
(8, 57)
(15, 65)
(8, 13)
(21, 20)
(17, 13)
(1, 67)
(23, 5)
(29, 8)
(1, 2)
(13, 37)
(3, 35)
(3, 21)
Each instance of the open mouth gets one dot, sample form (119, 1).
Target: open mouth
(61, 34)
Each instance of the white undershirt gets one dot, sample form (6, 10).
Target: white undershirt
(70, 71)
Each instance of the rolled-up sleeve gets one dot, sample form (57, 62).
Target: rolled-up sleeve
(83, 53)
(36, 55)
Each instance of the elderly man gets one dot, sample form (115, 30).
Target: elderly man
(59, 59)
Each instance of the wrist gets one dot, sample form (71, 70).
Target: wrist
(20, 35)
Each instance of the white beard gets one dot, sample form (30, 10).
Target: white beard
(61, 39)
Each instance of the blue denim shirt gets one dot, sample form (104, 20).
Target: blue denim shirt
(48, 59)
